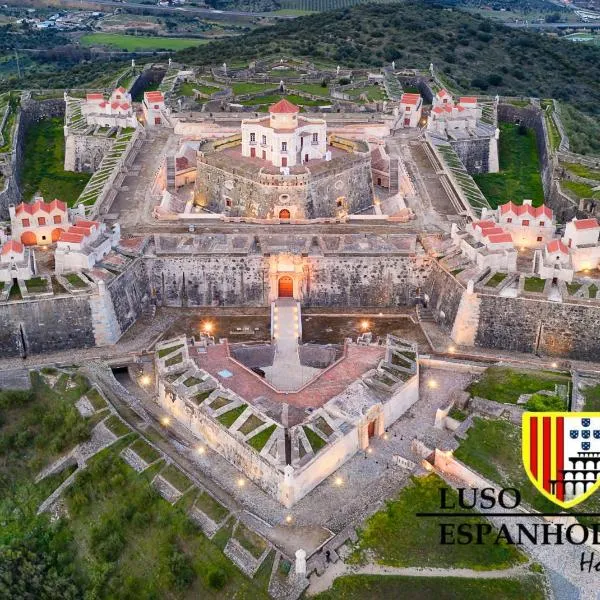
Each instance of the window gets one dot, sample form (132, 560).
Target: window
(25, 222)
(156, 106)
(315, 138)
(284, 146)
(542, 223)
(57, 219)
(41, 221)
(525, 223)
(252, 138)
(540, 238)
(509, 220)
(408, 109)
(264, 140)
(228, 202)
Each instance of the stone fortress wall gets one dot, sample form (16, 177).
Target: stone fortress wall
(31, 112)
(85, 152)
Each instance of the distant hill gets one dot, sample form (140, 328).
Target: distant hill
(472, 53)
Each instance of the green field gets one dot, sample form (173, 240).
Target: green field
(134, 42)
(394, 536)
(519, 177)
(394, 587)
(43, 170)
(493, 449)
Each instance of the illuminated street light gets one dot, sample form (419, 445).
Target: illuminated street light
(338, 481)
(288, 519)
(165, 421)
(432, 383)
(207, 327)
(145, 380)
(364, 325)
(201, 449)
(241, 482)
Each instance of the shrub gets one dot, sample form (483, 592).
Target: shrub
(216, 578)
(182, 570)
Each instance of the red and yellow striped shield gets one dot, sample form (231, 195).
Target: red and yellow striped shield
(561, 454)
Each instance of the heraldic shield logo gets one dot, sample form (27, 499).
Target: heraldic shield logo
(561, 454)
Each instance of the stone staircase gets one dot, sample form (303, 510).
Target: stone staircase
(106, 326)
(424, 315)
(170, 172)
(394, 185)
(466, 323)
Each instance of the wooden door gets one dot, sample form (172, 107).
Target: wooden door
(286, 287)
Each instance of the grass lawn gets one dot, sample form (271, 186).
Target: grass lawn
(534, 284)
(250, 424)
(505, 385)
(176, 478)
(394, 536)
(75, 280)
(96, 399)
(372, 92)
(152, 549)
(573, 288)
(146, 452)
(251, 88)
(43, 166)
(229, 418)
(579, 190)
(162, 353)
(36, 284)
(311, 88)
(493, 449)
(316, 441)
(496, 279)
(250, 541)
(395, 587)
(134, 42)
(260, 439)
(592, 398)
(117, 426)
(210, 507)
(582, 171)
(519, 175)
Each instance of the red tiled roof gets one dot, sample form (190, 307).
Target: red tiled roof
(67, 236)
(484, 224)
(154, 96)
(410, 99)
(103, 104)
(585, 223)
(442, 93)
(47, 207)
(557, 246)
(468, 100)
(459, 108)
(181, 162)
(94, 97)
(125, 105)
(526, 209)
(86, 224)
(121, 89)
(12, 246)
(437, 110)
(500, 238)
(492, 231)
(283, 107)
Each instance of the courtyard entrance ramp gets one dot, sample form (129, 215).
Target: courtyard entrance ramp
(287, 373)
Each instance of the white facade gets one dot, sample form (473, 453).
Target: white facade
(83, 245)
(155, 112)
(411, 106)
(283, 138)
(529, 226)
(16, 262)
(40, 223)
(447, 116)
(582, 238)
(117, 111)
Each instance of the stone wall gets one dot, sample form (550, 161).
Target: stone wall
(530, 325)
(45, 325)
(146, 78)
(305, 196)
(85, 152)
(364, 280)
(31, 112)
(208, 280)
(442, 293)
(130, 294)
(474, 154)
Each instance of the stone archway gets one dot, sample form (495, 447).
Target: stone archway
(284, 213)
(285, 287)
(56, 234)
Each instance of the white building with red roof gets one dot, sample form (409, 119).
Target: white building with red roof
(530, 227)
(116, 111)
(154, 109)
(487, 244)
(411, 106)
(39, 223)
(582, 237)
(284, 139)
(83, 245)
(446, 114)
(16, 262)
